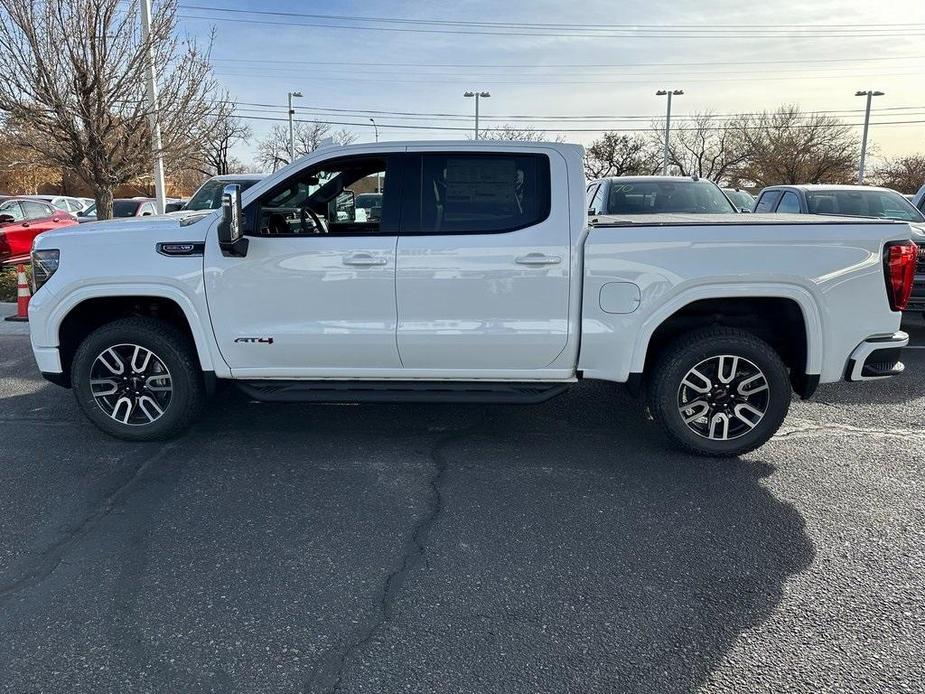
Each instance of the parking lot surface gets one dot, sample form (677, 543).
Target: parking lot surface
(563, 547)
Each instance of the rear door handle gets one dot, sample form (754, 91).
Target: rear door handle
(364, 260)
(538, 259)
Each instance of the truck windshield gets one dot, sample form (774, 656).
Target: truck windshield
(883, 204)
(209, 195)
(653, 197)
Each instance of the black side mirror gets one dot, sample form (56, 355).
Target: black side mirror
(230, 228)
(6, 218)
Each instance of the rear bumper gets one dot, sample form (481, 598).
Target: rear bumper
(877, 357)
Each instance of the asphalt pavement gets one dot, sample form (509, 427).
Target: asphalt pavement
(563, 547)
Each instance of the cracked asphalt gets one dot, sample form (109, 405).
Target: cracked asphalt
(562, 547)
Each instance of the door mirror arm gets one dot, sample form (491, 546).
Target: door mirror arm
(231, 227)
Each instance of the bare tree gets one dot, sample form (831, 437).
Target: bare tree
(705, 146)
(74, 71)
(614, 154)
(22, 170)
(218, 133)
(905, 174)
(509, 133)
(788, 146)
(273, 149)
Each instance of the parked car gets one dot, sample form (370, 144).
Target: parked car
(209, 195)
(21, 220)
(742, 199)
(123, 207)
(62, 202)
(656, 194)
(853, 201)
(482, 281)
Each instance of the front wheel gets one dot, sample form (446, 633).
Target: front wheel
(138, 379)
(720, 392)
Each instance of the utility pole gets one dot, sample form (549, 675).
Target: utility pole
(669, 93)
(298, 95)
(159, 194)
(376, 127)
(870, 94)
(483, 95)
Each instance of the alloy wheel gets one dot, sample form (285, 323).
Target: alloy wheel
(723, 397)
(131, 384)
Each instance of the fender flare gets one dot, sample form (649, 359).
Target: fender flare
(100, 291)
(812, 318)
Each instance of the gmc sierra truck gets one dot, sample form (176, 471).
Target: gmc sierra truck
(479, 279)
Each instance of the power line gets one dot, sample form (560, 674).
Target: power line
(536, 25)
(584, 65)
(865, 33)
(553, 130)
(545, 82)
(559, 27)
(363, 113)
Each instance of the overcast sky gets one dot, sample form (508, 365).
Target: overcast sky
(599, 58)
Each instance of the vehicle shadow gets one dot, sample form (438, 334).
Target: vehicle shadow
(568, 538)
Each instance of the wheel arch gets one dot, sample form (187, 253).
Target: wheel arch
(83, 311)
(786, 316)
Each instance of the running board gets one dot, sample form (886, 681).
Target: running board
(401, 391)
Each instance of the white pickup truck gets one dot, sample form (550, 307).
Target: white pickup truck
(477, 278)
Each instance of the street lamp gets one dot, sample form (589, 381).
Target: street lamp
(297, 95)
(477, 95)
(669, 93)
(870, 95)
(378, 173)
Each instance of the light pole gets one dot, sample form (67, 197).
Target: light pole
(477, 95)
(378, 179)
(669, 93)
(297, 95)
(159, 194)
(870, 95)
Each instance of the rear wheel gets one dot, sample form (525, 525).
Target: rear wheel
(720, 392)
(138, 379)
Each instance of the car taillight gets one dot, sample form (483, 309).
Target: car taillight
(899, 260)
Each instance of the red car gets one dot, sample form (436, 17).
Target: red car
(21, 220)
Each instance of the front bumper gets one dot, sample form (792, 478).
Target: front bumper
(877, 357)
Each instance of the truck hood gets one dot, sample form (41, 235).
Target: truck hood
(140, 230)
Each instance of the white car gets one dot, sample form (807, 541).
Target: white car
(63, 202)
(480, 281)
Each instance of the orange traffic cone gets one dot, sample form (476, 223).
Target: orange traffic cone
(22, 295)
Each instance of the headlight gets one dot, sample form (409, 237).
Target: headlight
(44, 265)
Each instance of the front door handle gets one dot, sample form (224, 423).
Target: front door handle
(364, 260)
(538, 259)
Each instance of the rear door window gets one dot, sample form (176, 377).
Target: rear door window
(466, 193)
(767, 201)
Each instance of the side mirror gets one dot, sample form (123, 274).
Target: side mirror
(6, 218)
(591, 212)
(230, 228)
(745, 209)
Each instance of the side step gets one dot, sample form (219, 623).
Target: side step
(401, 391)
